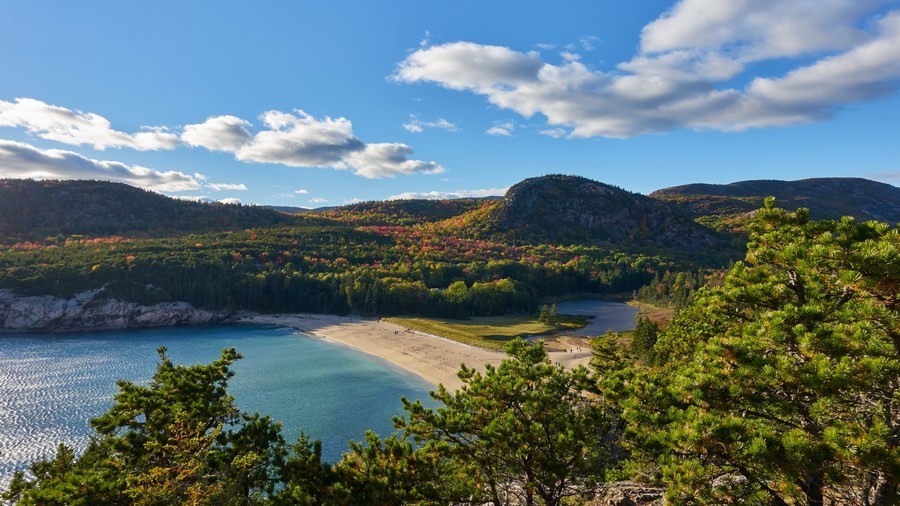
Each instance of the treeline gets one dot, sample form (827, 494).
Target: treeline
(377, 270)
(675, 288)
(780, 386)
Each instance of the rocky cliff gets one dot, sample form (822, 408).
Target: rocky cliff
(94, 310)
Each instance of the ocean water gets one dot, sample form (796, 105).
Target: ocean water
(50, 385)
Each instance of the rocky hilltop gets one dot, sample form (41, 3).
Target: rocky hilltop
(575, 210)
(94, 310)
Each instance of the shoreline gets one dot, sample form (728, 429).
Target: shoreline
(433, 358)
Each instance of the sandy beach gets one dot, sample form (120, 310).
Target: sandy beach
(434, 359)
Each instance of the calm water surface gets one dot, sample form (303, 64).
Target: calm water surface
(51, 384)
(608, 316)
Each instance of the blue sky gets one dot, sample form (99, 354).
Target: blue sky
(324, 103)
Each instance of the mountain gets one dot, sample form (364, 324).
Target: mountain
(34, 210)
(402, 212)
(826, 198)
(567, 210)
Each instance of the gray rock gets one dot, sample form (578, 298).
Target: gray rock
(95, 310)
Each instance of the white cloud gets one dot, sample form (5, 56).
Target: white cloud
(317, 200)
(227, 186)
(459, 194)
(300, 140)
(301, 191)
(353, 200)
(587, 43)
(78, 128)
(505, 128)
(556, 133)
(20, 160)
(207, 200)
(416, 126)
(294, 139)
(218, 133)
(195, 198)
(759, 29)
(387, 160)
(841, 53)
(469, 66)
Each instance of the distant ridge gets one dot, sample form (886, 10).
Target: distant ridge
(33, 210)
(402, 212)
(826, 198)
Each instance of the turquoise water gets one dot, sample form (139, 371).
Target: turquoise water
(51, 384)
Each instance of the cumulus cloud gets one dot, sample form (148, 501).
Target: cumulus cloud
(218, 133)
(459, 194)
(301, 191)
(294, 139)
(78, 128)
(297, 139)
(416, 125)
(387, 160)
(21, 160)
(842, 52)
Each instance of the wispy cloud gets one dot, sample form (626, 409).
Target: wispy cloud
(227, 186)
(503, 128)
(21, 160)
(444, 195)
(301, 191)
(416, 125)
(317, 200)
(843, 51)
(556, 133)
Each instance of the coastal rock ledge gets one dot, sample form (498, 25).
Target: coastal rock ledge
(95, 310)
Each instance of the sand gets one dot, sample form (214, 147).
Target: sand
(432, 358)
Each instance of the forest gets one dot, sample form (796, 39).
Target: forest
(339, 269)
(778, 385)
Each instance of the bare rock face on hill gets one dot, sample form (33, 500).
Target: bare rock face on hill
(93, 310)
(576, 210)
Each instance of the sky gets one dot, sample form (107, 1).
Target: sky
(311, 104)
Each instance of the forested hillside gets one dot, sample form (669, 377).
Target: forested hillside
(826, 198)
(549, 236)
(35, 210)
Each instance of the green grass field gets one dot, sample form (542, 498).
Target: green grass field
(490, 332)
